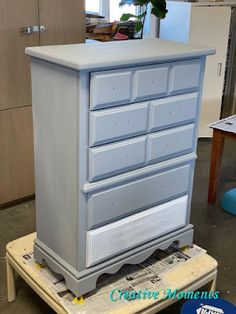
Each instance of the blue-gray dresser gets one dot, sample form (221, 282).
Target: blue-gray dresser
(115, 135)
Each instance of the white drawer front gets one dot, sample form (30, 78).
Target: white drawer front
(150, 82)
(116, 158)
(170, 143)
(116, 123)
(119, 236)
(185, 76)
(126, 199)
(174, 110)
(110, 88)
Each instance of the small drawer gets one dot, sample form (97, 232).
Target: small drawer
(110, 88)
(184, 76)
(112, 159)
(125, 199)
(150, 82)
(117, 123)
(170, 143)
(172, 111)
(117, 237)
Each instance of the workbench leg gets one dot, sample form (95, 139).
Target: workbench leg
(11, 285)
(212, 284)
(216, 158)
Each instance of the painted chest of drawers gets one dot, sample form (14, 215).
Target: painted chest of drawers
(115, 129)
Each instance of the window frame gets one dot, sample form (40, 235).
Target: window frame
(104, 9)
(151, 25)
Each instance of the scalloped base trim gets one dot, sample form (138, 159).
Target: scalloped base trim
(85, 281)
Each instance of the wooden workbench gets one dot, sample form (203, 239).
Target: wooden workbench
(196, 272)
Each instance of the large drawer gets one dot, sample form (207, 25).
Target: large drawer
(116, 123)
(128, 198)
(120, 87)
(117, 237)
(170, 143)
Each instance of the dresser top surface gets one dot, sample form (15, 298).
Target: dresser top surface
(117, 54)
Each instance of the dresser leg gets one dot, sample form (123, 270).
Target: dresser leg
(216, 158)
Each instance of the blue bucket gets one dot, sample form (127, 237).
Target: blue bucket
(228, 202)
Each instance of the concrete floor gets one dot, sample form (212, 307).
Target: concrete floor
(215, 230)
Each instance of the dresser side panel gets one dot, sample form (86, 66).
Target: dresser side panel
(197, 123)
(55, 141)
(82, 168)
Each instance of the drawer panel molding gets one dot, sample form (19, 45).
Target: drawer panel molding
(184, 76)
(172, 111)
(112, 159)
(115, 238)
(117, 123)
(170, 143)
(110, 88)
(150, 82)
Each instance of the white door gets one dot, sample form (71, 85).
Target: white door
(210, 27)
